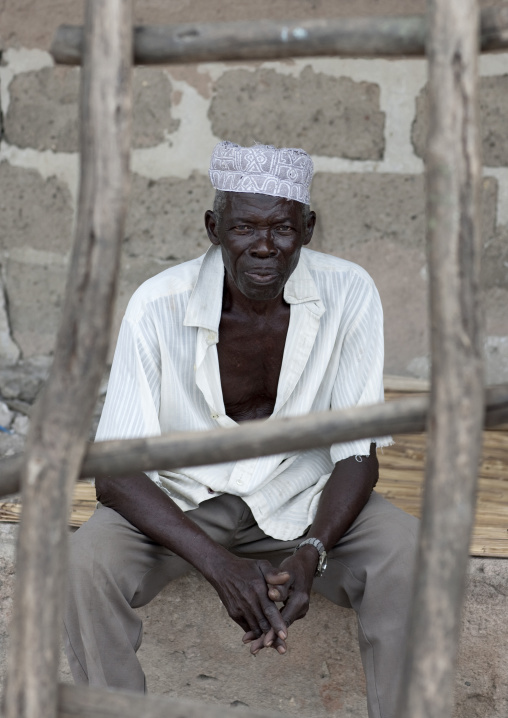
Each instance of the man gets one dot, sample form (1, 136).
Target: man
(257, 328)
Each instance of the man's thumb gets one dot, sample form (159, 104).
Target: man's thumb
(276, 579)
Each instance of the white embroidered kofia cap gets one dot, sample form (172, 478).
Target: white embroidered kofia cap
(263, 169)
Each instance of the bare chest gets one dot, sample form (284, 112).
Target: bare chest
(250, 360)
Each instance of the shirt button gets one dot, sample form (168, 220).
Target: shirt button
(239, 482)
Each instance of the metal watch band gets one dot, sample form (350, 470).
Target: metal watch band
(320, 568)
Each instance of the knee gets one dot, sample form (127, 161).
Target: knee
(395, 545)
(82, 558)
(400, 535)
(92, 553)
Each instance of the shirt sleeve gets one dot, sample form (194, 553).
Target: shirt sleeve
(359, 380)
(131, 409)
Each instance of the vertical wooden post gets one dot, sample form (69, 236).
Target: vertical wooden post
(57, 440)
(453, 174)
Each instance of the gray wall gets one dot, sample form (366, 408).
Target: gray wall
(363, 121)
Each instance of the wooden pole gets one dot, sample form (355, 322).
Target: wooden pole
(61, 420)
(84, 702)
(453, 175)
(271, 40)
(256, 438)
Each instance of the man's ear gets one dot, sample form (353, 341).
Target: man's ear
(309, 230)
(211, 227)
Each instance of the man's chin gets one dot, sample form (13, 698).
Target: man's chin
(262, 292)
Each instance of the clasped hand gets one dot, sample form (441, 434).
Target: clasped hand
(251, 589)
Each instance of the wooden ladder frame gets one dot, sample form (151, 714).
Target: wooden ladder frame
(57, 443)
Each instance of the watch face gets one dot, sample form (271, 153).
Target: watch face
(322, 563)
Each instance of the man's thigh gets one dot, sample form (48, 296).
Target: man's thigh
(378, 549)
(110, 554)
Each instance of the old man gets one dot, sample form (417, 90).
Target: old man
(257, 328)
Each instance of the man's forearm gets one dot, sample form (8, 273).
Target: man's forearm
(240, 582)
(155, 514)
(345, 494)
(343, 497)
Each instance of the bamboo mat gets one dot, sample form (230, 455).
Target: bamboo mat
(83, 505)
(401, 481)
(401, 473)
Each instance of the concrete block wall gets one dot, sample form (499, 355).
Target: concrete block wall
(364, 123)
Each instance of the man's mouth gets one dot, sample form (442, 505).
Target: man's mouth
(262, 276)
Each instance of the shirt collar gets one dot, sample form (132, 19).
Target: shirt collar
(300, 286)
(205, 303)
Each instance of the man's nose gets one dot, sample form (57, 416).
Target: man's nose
(263, 245)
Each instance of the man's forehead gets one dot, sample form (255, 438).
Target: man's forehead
(256, 203)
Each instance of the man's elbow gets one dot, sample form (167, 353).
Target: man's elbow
(104, 490)
(373, 465)
(117, 492)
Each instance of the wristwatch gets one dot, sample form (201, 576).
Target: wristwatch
(320, 568)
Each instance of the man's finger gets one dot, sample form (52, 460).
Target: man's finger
(293, 611)
(278, 585)
(255, 622)
(280, 646)
(249, 636)
(279, 593)
(277, 578)
(269, 638)
(275, 619)
(274, 594)
(256, 646)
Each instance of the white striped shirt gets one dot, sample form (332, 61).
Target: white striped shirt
(165, 378)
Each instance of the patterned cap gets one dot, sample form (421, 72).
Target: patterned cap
(263, 169)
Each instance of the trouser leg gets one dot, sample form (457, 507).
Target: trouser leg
(116, 568)
(372, 569)
(113, 568)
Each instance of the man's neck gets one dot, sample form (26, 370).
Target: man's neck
(233, 301)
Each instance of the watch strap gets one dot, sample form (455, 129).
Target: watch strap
(322, 561)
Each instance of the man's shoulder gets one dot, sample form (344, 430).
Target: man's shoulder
(323, 266)
(176, 281)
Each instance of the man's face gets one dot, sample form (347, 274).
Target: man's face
(260, 237)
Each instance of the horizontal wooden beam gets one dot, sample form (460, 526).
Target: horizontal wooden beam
(256, 438)
(85, 702)
(271, 40)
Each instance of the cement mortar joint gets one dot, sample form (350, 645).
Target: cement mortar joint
(185, 152)
(154, 162)
(17, 61)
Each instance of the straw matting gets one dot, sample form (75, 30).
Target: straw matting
(401, 481)
(83, 505)
(401, 476)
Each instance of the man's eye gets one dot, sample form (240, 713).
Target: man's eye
(283, 228)
(242, 228)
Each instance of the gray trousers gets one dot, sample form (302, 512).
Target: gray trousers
(114, 568)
